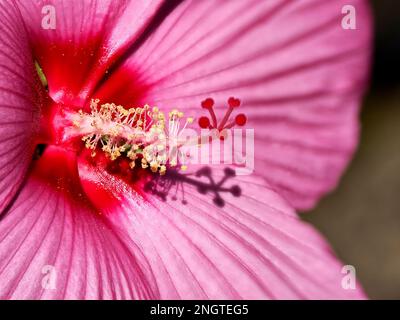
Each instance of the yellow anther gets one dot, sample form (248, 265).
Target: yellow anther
(163, 170)
(114, 155)
(131, 155)
(154, 166)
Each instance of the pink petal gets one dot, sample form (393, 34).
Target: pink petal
(299, 74)
(88, 37)
(50, 230)
(252, 247)
(18, 100)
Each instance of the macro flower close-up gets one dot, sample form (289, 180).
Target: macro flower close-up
(168, 149)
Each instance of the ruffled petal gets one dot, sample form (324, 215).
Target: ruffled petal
(299, 74)
(204, 239)
(88, 36)
(53, 245)
(18, 102)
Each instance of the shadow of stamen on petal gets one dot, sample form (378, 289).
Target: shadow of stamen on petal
(172, 185)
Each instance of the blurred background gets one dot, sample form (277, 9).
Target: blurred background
(361, 219)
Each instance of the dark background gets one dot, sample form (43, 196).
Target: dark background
(361, 219)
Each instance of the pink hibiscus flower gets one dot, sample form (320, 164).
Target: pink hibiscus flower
(104, 230)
